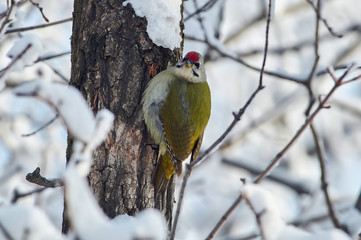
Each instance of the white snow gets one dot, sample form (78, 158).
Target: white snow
(27, 223)
(272, 224)
(29, 56)
(89, 221)
(213, 186)
(68, 101)
(163, 18)
(103, 123)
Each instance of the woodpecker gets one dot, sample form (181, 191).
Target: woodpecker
(176, 108)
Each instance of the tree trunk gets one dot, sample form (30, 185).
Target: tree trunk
(112, 61)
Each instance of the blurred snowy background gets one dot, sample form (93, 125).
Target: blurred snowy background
(236, 28)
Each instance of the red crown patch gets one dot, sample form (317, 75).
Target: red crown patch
(193, 56)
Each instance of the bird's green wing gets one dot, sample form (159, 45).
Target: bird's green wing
(184, 114)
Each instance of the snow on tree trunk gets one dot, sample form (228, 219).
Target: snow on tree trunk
(112, 61)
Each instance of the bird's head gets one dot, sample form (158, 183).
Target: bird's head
(191, 68)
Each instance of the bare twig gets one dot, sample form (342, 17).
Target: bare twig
(18, 195)
(244, 63)
(321, 159)
(180, 201)
(353, 79)
(317, 10)
(280, 178)
(17, 4)
(203, 8)
(320, 156)
(237, 116)
(37, 5)
(66, 80)
(260, 16)
(36, 178)
(309, 119)
(42, 127)
(338, 82)
(15, 30)
(302, 44)
(200, 20)
(338, 67)
(318, 218)
(258, 216)
(45, 58)
(280, 108)
(315, 63)
(7, 16)
(4, 70)
(224, 217)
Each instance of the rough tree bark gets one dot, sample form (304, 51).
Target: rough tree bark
(112, 61)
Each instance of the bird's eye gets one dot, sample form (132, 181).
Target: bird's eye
(196, 64)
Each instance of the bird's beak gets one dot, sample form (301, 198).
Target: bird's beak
(189, 63)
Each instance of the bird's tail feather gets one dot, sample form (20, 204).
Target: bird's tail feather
(162, 174)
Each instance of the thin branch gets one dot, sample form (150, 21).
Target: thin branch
(244, 63)
(317, 10)
(180, 201)
(224, 217)
(339, 67)
(324, 184)
(200, 20)
(37, 5)
(315, 63)
(311, 101)
(257, 216)
(36, 178)
(318, 218)
(279, 155)
(66, 80)
(204, 8)
(4, 70)
(237, 117)
(18, 195)
(299, 45)
(16, 30)
(280, 108)
(7, 16)
(353, 79)
(49, 57)
(280, 178)
(42, 127)
(17, 4)
(338, 82)
(260, 16)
